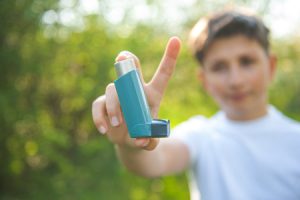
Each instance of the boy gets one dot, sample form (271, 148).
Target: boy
(248, 150)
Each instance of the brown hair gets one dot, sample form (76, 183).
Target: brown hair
(226, 24)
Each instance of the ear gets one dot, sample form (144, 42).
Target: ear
(272, 65)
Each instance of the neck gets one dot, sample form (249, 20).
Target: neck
(250, 114)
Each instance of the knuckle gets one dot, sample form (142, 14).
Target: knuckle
(98, 109)
(97, 102)
(98, 117)
(110, 87)
(97, 120)
(167, 71)
(112, 109)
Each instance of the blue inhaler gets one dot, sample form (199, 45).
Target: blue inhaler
(134, 104)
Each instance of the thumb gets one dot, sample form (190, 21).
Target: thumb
(166, 67)
(146, 143)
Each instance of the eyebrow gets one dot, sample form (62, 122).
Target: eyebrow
(252, 54)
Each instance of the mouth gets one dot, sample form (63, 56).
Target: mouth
(238, 97)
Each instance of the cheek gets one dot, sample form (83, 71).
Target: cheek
(215, 87)
(259, 81)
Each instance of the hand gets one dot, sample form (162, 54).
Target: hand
(106, 109)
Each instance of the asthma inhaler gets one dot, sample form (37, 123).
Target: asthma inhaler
(134, 104)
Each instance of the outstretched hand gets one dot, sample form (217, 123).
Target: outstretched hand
(106, 109)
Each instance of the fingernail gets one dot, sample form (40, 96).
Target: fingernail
(146, 143)
(139, 142)
(124, 55)
(114, 121)
(142, 143)
(102, 129)
(127, 53)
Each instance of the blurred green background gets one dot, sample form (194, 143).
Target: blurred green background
(56, 57)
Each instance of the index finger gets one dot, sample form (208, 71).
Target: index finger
(167, 65)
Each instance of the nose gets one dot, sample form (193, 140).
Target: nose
(236, 78)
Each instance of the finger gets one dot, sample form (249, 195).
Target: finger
(123, 55)
(113, 105)
(167, 65)
(146, 143)
(99, 113)
(152, 144)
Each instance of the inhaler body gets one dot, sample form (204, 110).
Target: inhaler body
(134, 104)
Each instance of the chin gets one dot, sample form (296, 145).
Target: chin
(243, 111)
(237, 110)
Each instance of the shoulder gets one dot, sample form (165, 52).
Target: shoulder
(193, 124)
(284, 122)
(193, 129)
(291, 124)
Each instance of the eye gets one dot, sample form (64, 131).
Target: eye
(219, 67)
(246, 61)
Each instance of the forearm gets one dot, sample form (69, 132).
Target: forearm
(169, 157)
(142, 162)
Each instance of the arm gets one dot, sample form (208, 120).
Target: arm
(144, 156)
(169, 157)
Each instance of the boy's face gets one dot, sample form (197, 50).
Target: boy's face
(236, 73)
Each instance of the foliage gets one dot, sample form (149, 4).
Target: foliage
(50, 148)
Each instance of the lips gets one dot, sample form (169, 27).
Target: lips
(238, 96)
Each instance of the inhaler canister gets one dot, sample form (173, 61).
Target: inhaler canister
(134, 104)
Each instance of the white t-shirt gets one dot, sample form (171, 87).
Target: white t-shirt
(257, 159)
